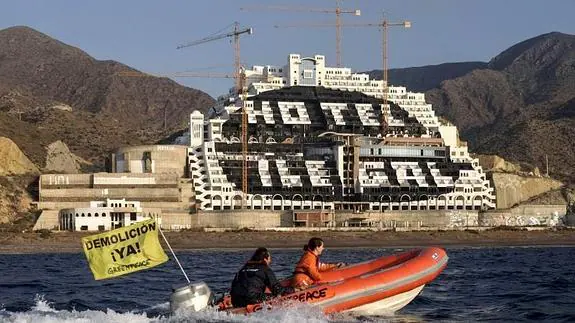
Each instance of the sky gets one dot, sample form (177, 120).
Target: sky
(144, 34)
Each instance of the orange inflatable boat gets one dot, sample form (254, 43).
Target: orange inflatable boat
(380, 286)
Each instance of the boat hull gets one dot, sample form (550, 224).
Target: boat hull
(387, 306)
(377, 287)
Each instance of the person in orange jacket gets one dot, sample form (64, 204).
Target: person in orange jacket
(308, 270)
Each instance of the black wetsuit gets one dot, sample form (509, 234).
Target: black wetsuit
(250, 284)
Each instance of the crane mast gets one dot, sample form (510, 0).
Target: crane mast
(240, 90)
(384, 25)
(236, 39)
(338, 12)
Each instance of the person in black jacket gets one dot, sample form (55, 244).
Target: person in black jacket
(249, 284)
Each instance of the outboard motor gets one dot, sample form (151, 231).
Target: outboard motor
(195, 296)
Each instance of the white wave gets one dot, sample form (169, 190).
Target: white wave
(297, 313)
(42, 305)
(43, 312)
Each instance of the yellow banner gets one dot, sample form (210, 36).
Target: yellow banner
(124, 250)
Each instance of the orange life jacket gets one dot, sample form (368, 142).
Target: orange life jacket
(308, 270)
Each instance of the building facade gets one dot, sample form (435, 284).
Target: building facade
(321, 138)
(105, 215)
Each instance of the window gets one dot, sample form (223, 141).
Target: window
(84, 228)
(133, 216)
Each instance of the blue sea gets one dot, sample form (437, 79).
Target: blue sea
(505, 284)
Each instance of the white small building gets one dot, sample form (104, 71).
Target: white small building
(105, 215)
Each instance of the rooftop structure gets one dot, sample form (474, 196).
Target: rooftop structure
(310, 71)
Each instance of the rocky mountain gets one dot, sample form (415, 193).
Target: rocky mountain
(16, 174)
(52, 91)
(520, 105)
(13, 161)
(59, 159)
(424, 78)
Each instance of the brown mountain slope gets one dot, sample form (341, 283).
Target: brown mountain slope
(424, 78)
(107, 110)
(479, 98)
(542, 68)
(545, 132)
(522, 107)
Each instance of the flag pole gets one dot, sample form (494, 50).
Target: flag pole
(172, 251)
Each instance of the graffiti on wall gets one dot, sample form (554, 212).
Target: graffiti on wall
(460, 219)
(550, 220)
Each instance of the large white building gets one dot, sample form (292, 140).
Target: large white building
(321, 138)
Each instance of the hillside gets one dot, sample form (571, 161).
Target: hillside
(50, 91)
(520, 105)
(424, 78)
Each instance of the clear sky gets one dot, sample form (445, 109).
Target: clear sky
(144, 34)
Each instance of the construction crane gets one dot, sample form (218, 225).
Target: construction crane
(384, 25)
(236, 35)
(338, 11)
(242, 93)
(239, 78)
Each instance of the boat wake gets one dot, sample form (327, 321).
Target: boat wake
(44, 312)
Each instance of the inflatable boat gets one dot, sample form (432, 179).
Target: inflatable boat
(380, 286)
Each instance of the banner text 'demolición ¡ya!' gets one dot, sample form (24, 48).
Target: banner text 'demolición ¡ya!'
(124, 250)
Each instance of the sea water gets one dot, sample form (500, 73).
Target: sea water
(497, 284)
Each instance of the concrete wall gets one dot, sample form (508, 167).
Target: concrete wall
(179, 220)
(163, 158)
(55, 181)
(529, 215)
(62, 190)
(526, 215)
(92, 194)
(412, 219)
(276, 219)
(47, 220)
(534, 215)
(245, 219)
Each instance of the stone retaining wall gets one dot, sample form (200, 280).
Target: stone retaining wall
(526, 215)
(529, 215)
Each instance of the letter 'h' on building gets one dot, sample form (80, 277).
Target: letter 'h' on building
(124, 250)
